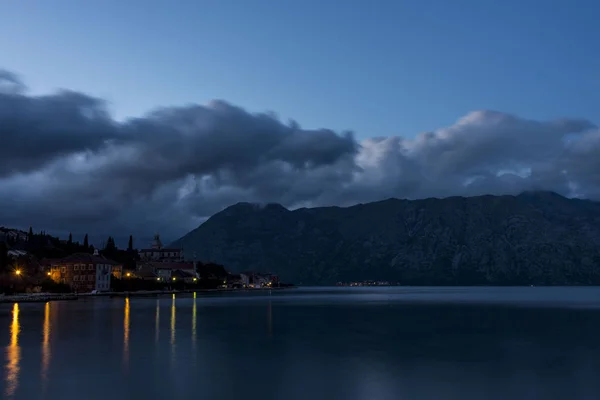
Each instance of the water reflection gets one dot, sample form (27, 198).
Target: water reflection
(194, 323)
(173, 331)
(126, 333)
(157, 321)
(173, 321)
(46, 344)
(13, 354)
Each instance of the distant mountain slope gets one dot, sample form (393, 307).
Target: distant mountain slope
(532, 238)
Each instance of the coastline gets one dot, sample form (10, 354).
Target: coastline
(143, 293)
(37, 297)
(44, 297)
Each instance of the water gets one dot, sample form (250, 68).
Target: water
(347, 343)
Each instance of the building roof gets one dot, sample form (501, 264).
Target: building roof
(159, 250)
(145, 273)
(178, 273)
(16, 253)
(84, 258)
(170, 265)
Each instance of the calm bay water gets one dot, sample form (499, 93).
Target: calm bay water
(346, 343)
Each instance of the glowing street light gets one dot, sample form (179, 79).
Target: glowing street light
(128, 274)
(195, 279)
(174, 278)
(18, 272)
(49, 273)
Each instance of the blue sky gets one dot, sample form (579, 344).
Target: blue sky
(386, 67)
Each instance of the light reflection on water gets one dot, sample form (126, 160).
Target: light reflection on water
(321, 346)
(194, 318)
(157, 321)
(173, 309)
(126, 311)
(46, 345)
(13, 354)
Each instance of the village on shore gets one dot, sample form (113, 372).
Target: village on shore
(40, 266)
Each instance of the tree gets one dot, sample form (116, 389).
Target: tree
(110, 247)
(70, 238)
(85, 242)
(30, 235)
(130, 245)
(3, 256)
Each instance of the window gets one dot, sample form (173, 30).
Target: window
(63, 269)
(91, 267)
(76, 267)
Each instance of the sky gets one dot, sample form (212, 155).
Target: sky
(123, 117)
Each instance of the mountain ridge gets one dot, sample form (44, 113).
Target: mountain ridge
(530, 238)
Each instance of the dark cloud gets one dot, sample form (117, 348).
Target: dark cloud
(37, 130)
(67, 165)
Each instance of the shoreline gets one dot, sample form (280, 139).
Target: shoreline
(45, 297)
(143, 293)
(37, 297)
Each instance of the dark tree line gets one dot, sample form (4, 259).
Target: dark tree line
(42, 245)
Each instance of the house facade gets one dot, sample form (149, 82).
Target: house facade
(85, 272)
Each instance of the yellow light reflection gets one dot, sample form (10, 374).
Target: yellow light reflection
(173, 321)
(13, 354)
(173, 332)
(126, 333)
(194, 322)
(157, 321)
(46, 343)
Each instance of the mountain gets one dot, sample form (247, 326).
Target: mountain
(533, 238)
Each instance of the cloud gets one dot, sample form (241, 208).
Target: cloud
(67, 165)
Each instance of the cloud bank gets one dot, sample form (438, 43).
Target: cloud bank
(67, 165)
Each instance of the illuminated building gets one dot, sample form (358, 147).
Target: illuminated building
(85, 272)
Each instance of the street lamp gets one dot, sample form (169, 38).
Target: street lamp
(128, 274)
(49, 273)
(18, 272)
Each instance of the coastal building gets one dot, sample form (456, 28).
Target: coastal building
(234, 281)
(85, 272)
(159, 253)
(164, 270)
(186, 276)
(146, 273)
(258, 279)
